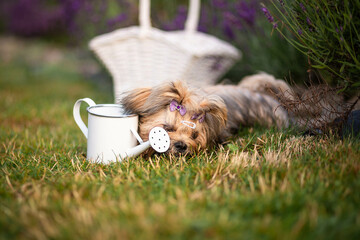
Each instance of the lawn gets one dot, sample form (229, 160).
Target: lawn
(264, 184)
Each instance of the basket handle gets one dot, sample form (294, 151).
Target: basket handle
(191, 23)
(144, 16)
(192, 20)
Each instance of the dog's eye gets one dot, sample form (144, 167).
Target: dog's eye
(194, 135)
(169, 128)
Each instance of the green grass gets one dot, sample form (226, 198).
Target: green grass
(264, 184)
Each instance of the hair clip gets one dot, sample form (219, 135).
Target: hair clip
(174, 105)
(189, 124)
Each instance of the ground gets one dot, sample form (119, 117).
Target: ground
(264, 184)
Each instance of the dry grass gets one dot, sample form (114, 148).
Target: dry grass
(263, 184)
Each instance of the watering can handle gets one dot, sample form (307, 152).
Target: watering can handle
(77, 117)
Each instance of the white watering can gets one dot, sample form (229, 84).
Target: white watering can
(112, 135)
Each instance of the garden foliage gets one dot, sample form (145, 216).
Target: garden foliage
(239, 22)
(327, 32)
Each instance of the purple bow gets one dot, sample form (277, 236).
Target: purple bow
(174, 105)
(198, 116)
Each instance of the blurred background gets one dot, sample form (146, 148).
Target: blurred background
(59, 31)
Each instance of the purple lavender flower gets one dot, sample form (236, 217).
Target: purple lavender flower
(302, 7)
(221, 4)
(246, 11)
(231, 20)
(337, 29)
(118, 19)
(70, 9)
(179, 21)
(39, 17)
(204, 19)
(33, 17)
(308, 21)
(267, 14)
(228, 30)
(300, 32)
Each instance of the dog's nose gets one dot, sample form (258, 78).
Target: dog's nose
(180, 147)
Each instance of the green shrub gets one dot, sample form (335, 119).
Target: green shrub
(327, 32)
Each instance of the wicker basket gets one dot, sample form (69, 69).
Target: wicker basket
(145, 56)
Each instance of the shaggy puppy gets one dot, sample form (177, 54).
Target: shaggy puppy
(198, 118)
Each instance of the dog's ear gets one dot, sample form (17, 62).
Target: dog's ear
(134, 101)
(215, 115)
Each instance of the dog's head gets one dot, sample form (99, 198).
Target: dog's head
(193, 119)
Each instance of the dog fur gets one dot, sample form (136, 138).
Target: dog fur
(218, 111)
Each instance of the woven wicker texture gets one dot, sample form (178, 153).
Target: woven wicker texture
(142, 56)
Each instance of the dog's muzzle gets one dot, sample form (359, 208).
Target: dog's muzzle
(180, 147)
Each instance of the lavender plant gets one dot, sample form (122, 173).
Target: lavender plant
(75, 20)
(30, 17)
(327, 32)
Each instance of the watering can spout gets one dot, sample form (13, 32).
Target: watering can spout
(137, 150)
(159, 140)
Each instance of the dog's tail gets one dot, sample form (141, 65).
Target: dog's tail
(315, 108)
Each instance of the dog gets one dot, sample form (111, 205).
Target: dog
(196, 118)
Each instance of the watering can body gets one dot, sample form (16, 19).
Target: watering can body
(112, 135)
